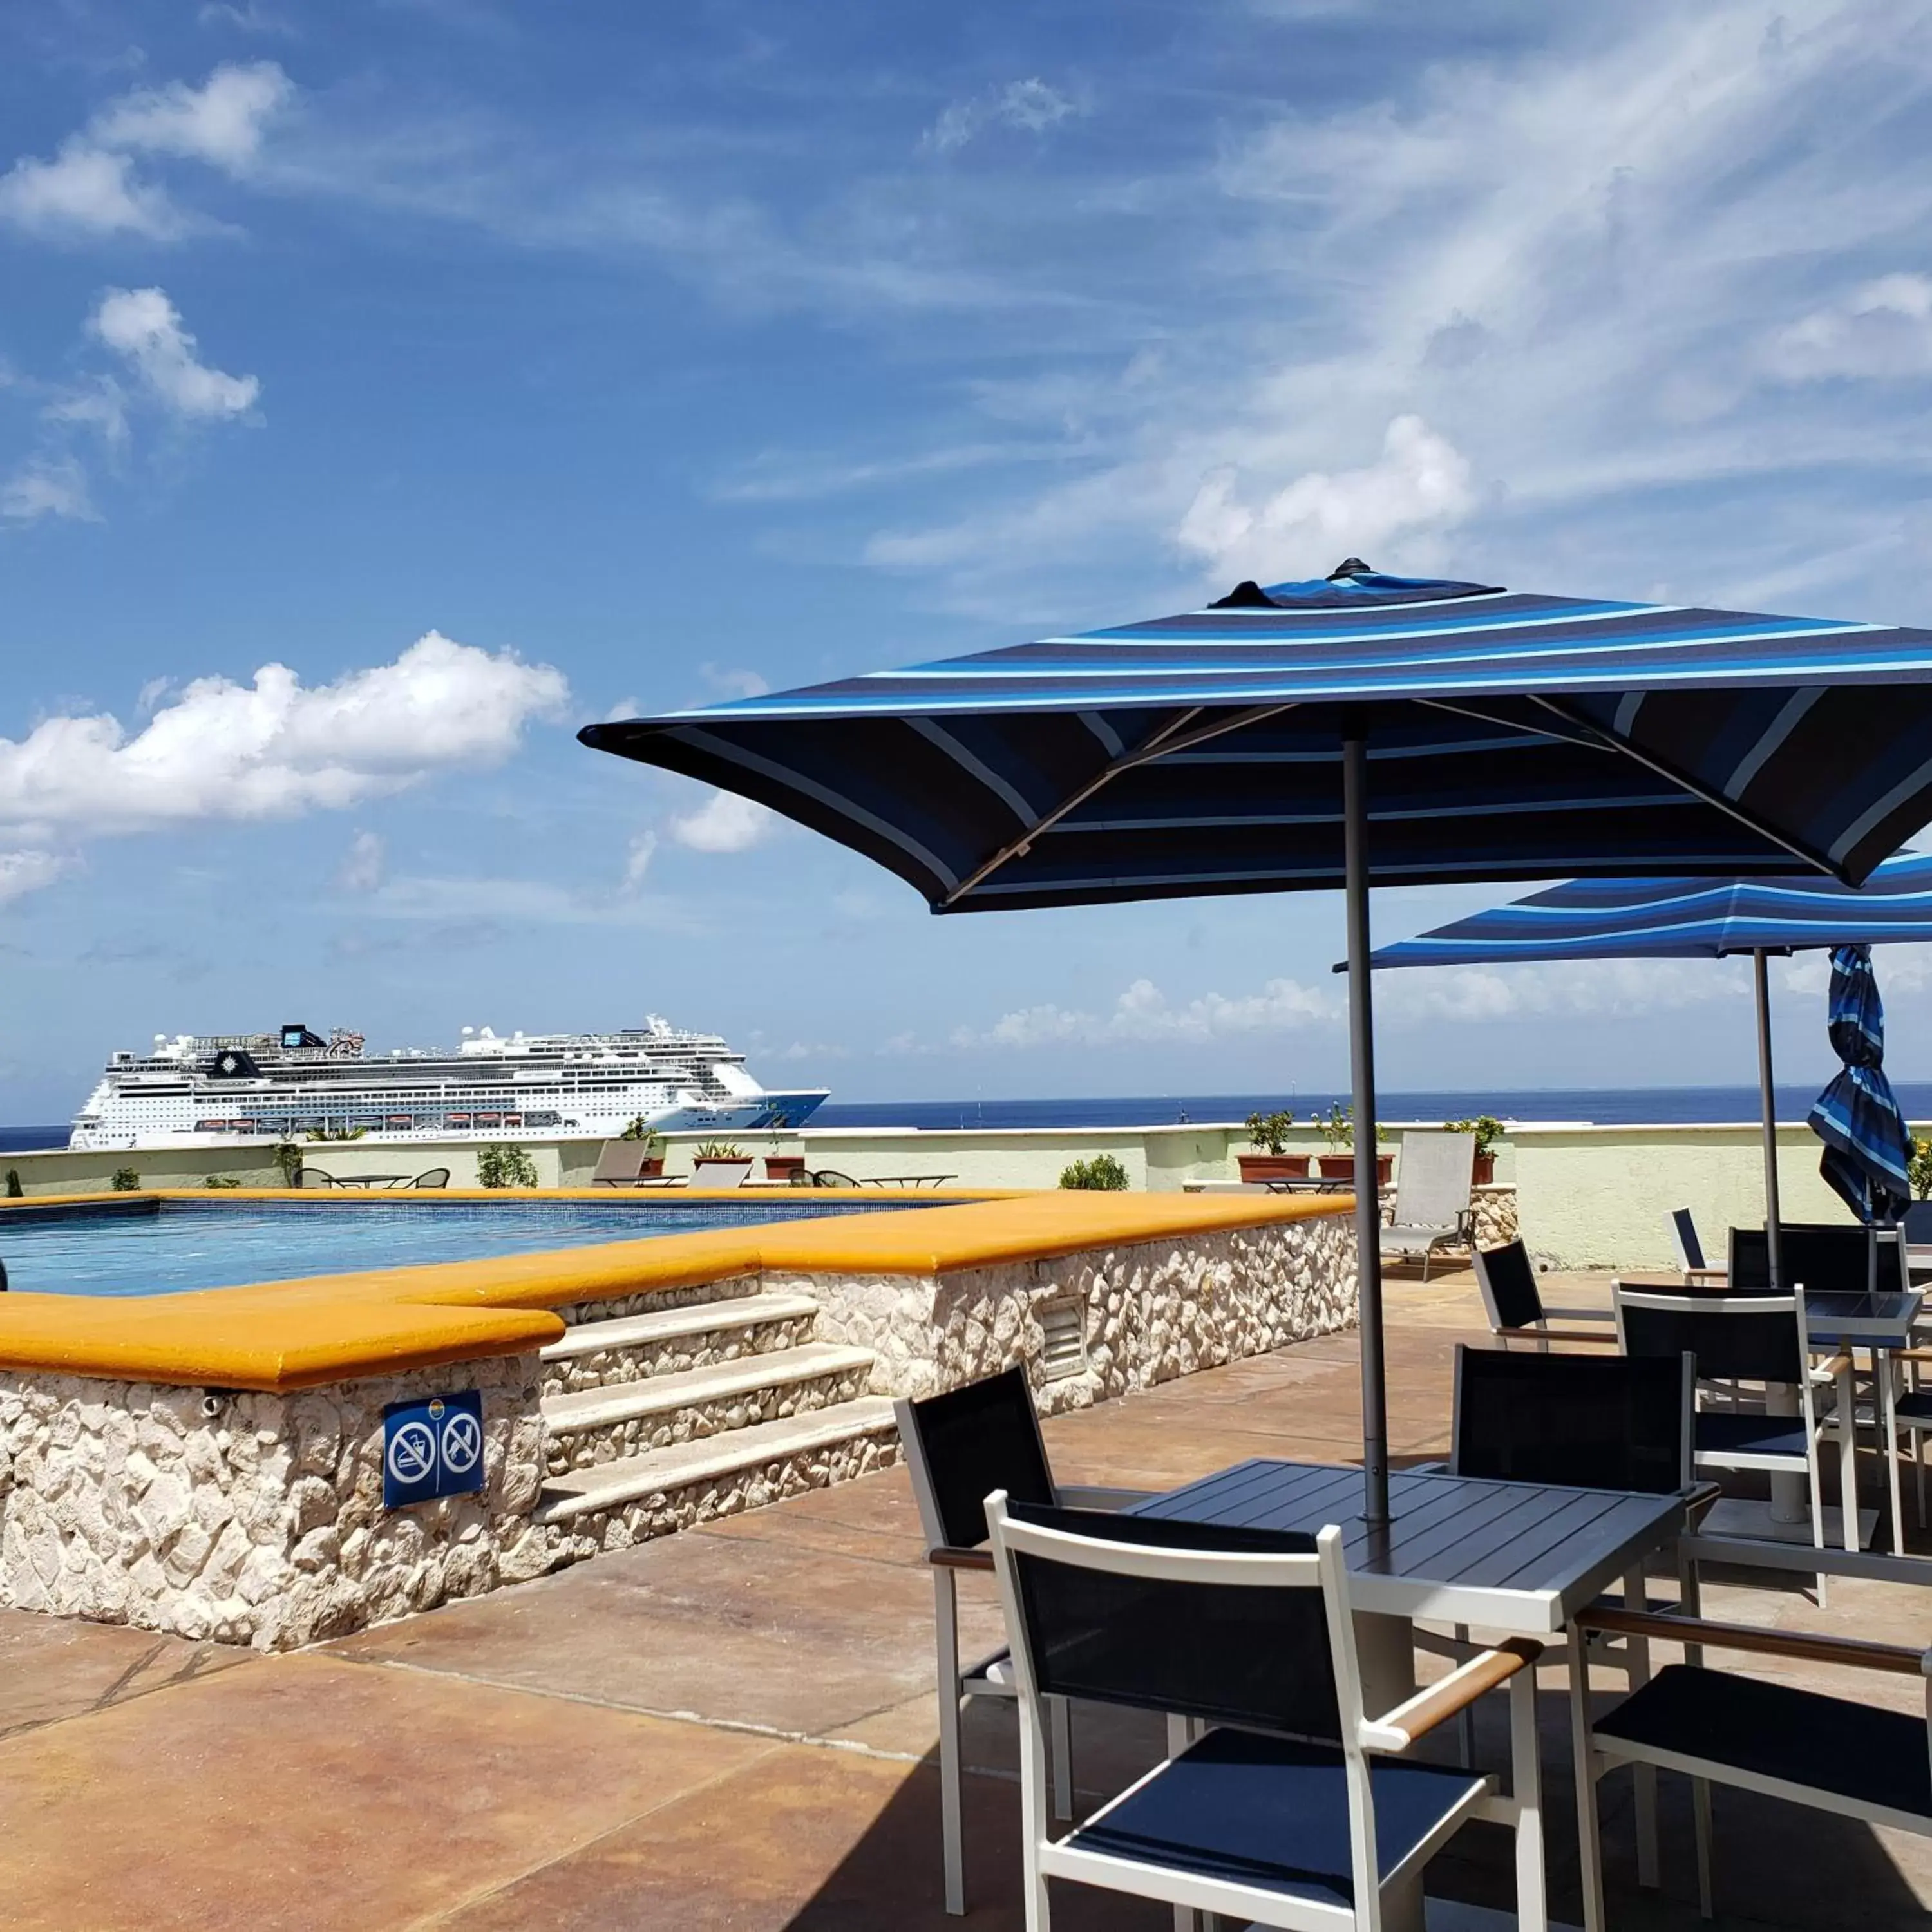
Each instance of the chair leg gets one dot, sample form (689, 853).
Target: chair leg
(1179, 1735)
(1700, 1811)
(1061, 1731)
(1589, 1844)
(1466, 1718)
(1918, 1471)
(1643, 1776)
(1848, 1459)
(946, 1622)
(1532, 1905)
(1883, 1369)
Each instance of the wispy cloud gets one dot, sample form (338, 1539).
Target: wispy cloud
(1029, 105)
(723, 822)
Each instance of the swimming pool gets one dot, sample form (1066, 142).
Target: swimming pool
(168, 1247)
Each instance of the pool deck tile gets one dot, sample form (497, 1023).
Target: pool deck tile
(498, 1764)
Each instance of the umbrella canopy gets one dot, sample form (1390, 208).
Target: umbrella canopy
(1681, 918)
(1857, 1116)
(1658, 919)
(1357, 728)
(1510, 736)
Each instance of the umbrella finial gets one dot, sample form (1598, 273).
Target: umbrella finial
(1349, 566)
(1246, 596)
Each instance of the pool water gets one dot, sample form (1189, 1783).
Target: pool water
(185, 1245)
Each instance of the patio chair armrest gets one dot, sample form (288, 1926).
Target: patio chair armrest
(1804, 1646)
(1830, 1371)
(946, 1556)
(1596, 1338)
(1699, 1501)
(1396, 1730)
(1100, 1496)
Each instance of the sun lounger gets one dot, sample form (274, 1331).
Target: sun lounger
(720, 1173)
(620, 1164)
(1432, 1196)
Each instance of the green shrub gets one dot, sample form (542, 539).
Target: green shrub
(1102, 1172)
(1918, 1168)
(641, 1130)
(1269, 1132)
(220, 1180)
(126, 1180)
(717, 1151)
(14, 1189)
(504, 1164)
(1487, 1128)
(288, 1158)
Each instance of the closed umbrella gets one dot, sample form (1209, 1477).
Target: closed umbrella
(1687, 918)
(1356, 729)
(1857, 1116)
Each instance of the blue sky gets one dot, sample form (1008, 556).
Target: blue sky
(387, 389)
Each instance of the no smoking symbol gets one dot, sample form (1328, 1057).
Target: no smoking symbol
(462, 1443)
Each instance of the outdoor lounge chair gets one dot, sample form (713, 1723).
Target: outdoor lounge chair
(1432, 1196)
(1777, 1739)
(432, 1176)
(620, 1164)
(959, 1447)
(1514, 1304)
(1749, 1337)
(1281, 1801)
(720, 1173)
(313, 1176)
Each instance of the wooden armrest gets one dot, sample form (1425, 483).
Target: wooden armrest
(1597, 1340)
(1830, 1371)
(1706, 1274)
(1397, 1729)
(945, 1557)
(1099, 1496)
(1806, 1646)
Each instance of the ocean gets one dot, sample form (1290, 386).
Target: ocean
(1608, 1106)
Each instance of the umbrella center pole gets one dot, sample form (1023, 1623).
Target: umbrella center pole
(1767, 1099)
(1362, 1068)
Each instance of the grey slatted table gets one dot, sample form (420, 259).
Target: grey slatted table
(1514, 1557)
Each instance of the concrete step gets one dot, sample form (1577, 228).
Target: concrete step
(586, 1427)
(668, 1341)
(666, 1489)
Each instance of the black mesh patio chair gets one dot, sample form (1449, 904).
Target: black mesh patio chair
(1281, 1802)
(432, 1176)
(1746, 1338)
(830, 1177)
(1588, 1422)
(959, 1447)
(1514, 1304)
(1776, 1739)
(1692, 1261)
(1825, 1257)
(313, 1176)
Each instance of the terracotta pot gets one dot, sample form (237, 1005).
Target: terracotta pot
(783, 1167)
(1342, 1167)
(1486, 1169)
(1273, 1166)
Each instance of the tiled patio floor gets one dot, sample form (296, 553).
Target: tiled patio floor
(732, 1728)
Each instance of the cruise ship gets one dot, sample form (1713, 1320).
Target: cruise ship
(199, 1090)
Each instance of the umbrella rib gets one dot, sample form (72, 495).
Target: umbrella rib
(1170, 737)
(1610, 741)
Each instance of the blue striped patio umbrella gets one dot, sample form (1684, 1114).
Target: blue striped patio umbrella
(1353, 730)
(1688, 918)
(1857, 1116)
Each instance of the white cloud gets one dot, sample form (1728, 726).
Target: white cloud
(1030, 105)
(1421, 481)
(1583, 988)
(144, 327)
(723, 822)
(1143, 1013)
(47, 486)
(727, 683)
(365, 864)
(1883, 329)
(275, 748)
(85, 190)
(220, 122)
(28, 871)
(90, 187)
(637, 859)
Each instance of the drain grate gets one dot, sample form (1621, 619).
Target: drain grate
(1063, 1328)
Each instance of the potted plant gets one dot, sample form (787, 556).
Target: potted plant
(714, 1153)
(788, 1170)
(652, 1164)
(1338, 1134)
(1271, 1161)
(1488, 1130)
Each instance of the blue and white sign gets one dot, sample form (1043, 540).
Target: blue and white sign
(432, 1448)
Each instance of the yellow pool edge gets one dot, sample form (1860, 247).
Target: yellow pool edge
(284, 1335)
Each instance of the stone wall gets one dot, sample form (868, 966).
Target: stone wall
(1495, 1214)
(253, 1518)
(1147, 1313)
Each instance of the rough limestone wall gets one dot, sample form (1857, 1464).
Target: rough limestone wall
(1495, 1214)
(636, 1362)
(1150, 1313)
(261, 1523)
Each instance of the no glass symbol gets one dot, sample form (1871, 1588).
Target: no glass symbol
(462, 1442)
(413, 1452)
